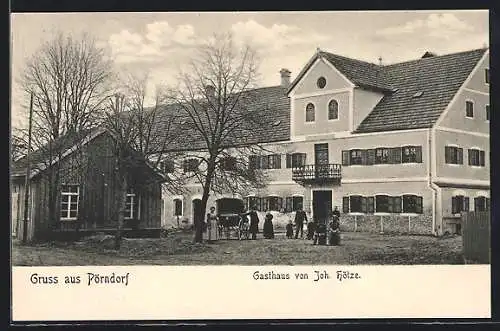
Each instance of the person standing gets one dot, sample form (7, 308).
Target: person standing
(212, 225)
(268, 226)
(289, 230)
(254, 223)
(336, 212)
(300, 218)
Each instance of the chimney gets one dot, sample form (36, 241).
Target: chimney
(285, 77)
(428, 54)
(380, 61)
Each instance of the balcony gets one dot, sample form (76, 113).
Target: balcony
(317, 174)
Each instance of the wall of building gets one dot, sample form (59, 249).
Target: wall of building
(477, 81)
(364, 102)
(465, 141)
(308, 83)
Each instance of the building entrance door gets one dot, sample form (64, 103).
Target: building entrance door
(322, 205)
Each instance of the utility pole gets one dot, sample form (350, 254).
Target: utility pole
(27, 179)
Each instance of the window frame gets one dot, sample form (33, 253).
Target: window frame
(134, 205)
(181, 207)
(310, 111)
(487, 76)
(411, 157)
(359, 156)
(356, 196)
(336, 109)
(456, 152)
(381, 159)
(405, 208)
(69, 194)
(471, 103)
(388, 202)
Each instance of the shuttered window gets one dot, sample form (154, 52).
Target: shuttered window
(453, 155)
(310, 113)
(345, 205)
(469, 109)
(356, 157)
(382, 203)
(357, 204)
(412, 204)
(382, 155)
(476, 157)
(177, 207)
(481, 204)
(412, 154)
(459, 204)
(295, 160)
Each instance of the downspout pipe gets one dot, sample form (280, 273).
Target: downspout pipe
(436, 190)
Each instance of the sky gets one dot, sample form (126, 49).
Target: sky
(159, 43)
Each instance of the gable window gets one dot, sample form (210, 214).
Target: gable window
(190, 165)
(412, 154)
(459, 203)
(469, 109)
(453, 155)
(130, 205)
(382, 204)
(295, 160)
(177, 207)
(167, 166)
(382, 155)
(481, 204)
(228, 163)
(333, 110)
(356, 156)
(70, 196)
(310, 115)
(487, 75)
(487, 108)
(412, 204)
(476, 157)
(321, 82)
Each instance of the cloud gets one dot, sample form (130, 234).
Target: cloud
(443, 26)
(159, 38)
(274, 38)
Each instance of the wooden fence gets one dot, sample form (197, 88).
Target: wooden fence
(476, 236)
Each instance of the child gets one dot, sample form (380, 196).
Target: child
(334, 231)
(289, 230)
(311, 227)
(320, 234)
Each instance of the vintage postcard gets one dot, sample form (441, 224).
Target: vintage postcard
(250, 165)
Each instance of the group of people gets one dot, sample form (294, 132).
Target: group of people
(320, 232)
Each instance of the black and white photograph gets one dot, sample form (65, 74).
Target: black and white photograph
(329, 138)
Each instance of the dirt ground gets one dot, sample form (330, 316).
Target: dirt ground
(178, 249)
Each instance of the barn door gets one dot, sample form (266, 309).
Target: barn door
(14, 212)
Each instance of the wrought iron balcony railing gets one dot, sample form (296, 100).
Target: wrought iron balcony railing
(317, 173)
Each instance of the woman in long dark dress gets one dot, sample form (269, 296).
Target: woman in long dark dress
(268, 226)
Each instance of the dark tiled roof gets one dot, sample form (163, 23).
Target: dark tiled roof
(272, 121)
(361, 73)
(438, 78)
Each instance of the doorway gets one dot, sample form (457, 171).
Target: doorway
(322, 205)
(197, 215)
(321, 160)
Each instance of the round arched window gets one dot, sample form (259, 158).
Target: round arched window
(321, 82)
(310, 112)
(333, 110)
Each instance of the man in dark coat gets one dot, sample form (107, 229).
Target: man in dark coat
(300, 218)
(336, 212)
(254, 223)
(268, 226)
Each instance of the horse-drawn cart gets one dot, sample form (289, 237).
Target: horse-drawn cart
(232, 222)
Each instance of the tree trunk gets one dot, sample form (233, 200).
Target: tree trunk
(122, 198)
(198, 228)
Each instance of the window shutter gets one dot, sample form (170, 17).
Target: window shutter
(469, 154)
(345, 158)
(397, 205)
(345, 205)
(447, 154)
(288, 204)
(364, 205)
(396, 155)
(481, 158)
(280, 203)
(477, 203)
(264, 162)
(419, 206)
(303, 157)
(277, 161)
(454, 205)
(418, 156)
(466, 204)
(289, 160)
(364, 157)
(460, 156)
(390, 205)
(370, 156)
(487, 202)
(371, 204)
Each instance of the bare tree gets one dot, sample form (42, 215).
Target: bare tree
(68, 78)
(141, 134)
(215, 96)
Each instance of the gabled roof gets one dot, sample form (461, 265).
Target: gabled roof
(270, 104)
(424, 88)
